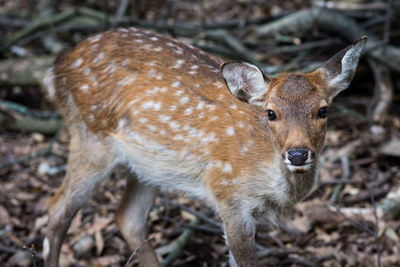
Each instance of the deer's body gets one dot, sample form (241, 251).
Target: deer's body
(162, 108)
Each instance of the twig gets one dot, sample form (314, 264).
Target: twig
(38, 24)
(386, 29)
(383, 93)
(27, 120)
(297, 48)
(346, 174)
(203, 217)
(376, 235)
(133, 254)
(123, 5)
(363, 196)
(351, 5)
(182, 240)
(21, 109)
(234, 44)
(304, 21)
(277, 252)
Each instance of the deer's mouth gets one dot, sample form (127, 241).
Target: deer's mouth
(298, 168)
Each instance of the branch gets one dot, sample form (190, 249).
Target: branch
(182, 240)
(306, 20)
(23, 72)
(16, 117)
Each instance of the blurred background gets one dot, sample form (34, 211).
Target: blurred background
(352, 219)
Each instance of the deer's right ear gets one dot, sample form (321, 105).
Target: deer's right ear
(246, 82)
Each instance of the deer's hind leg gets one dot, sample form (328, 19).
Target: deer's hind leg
(89, 163)
(131, 218)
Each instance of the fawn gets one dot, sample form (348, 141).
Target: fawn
(245, 143)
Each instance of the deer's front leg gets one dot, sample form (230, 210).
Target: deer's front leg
(240, 234)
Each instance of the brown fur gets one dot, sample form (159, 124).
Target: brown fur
(162, 108)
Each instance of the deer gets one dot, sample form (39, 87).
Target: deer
(246, 144)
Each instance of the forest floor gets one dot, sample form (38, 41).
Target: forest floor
(343, 223)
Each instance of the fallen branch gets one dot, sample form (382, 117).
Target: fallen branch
(306, 20)
(182, 240)
(16, 117)
(23, 72)
(383, 93)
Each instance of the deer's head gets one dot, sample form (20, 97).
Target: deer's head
(296, 104)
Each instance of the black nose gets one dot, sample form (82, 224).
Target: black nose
(298, 156)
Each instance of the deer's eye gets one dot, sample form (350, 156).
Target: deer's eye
(271, 115)
(323, 112)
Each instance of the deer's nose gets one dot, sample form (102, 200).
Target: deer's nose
(298, 156)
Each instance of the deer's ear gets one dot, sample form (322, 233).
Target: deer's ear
(340, 69)
(246, 82)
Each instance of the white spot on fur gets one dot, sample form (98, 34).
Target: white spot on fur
(218, 84)
(151, 104)
(174, 126)
(241, 124)
(121, 124)
(214, 118)
(87, 71)
(164, 89)
(154, 38)
(143, 120)
(99, 58)
(125, 62)
(230, 131)
(84, 87)
(184, 100)
(194, 67)
(172, 107)
(77, 63)
(179, 92)
(132, 102)
(179, 51)
(178, 137)
(192, 72)
(200, 105)
(188, 111)
(158, 49)
(176, 84)
(152, 128)
(125, 81)
(164, 118)
(110, 68)
(233, 106)
(178, 64)
(227, 167)
(95, 38)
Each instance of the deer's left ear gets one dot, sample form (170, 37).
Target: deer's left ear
(340, 69)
